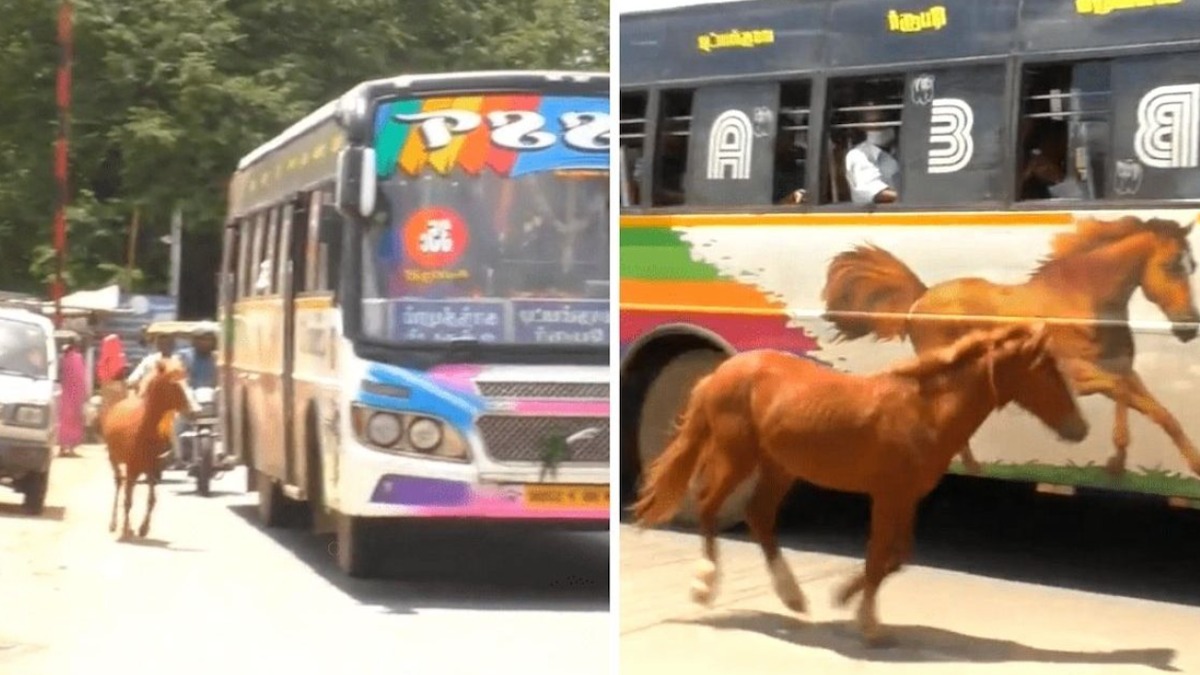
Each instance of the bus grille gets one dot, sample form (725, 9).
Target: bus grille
(544, 389)
(511, 438)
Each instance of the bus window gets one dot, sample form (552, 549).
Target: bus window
(254, 269)
(670, 166)
(633, 135)
(791, 143)
(245, 236)
(264, 281)
(299, 246)
(283, 248)
(860, 152)
(229, 280)
(1064, 131)
(317, 252)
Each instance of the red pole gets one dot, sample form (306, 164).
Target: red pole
(65, 45)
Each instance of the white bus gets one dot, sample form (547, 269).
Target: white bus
(415, 301)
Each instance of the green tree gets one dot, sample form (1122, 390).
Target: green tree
(168, 96)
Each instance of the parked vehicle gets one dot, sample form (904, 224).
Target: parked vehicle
(28, 411)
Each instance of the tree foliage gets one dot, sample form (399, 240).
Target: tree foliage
(167, 96)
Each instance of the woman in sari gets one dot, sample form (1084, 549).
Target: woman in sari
(73, 376)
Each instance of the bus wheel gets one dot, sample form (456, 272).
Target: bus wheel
(664, 400)
(358, 550)
(274, 508)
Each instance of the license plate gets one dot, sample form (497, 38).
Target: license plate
(566, 496)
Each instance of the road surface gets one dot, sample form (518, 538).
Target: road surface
(211, 592)
(1119, 593)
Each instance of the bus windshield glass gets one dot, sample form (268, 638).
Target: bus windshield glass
(492, 224)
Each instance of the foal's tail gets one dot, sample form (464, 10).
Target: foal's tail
(667, 479)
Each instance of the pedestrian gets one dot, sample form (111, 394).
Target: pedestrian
(111, 372)
(73, 377)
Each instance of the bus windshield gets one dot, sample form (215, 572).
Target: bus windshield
(473, 240)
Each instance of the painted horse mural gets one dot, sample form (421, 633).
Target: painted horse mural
(1082, 288)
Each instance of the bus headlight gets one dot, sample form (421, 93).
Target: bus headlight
(424, 434)
(384, 429)
(408, 434)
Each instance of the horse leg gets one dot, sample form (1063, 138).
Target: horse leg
(112, 521)
(1120, 437)
(723, 479)
(151, 480)
(892, 521)
(761, 513)
(1144, 402)
(131, 477)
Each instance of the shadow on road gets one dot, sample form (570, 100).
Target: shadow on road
(456, 566)
(51, 513)
(920, 644)
(151, 542)
(1101, 542)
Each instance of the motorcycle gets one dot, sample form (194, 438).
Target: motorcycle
(203, 458)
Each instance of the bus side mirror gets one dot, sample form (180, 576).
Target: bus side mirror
(355, 189)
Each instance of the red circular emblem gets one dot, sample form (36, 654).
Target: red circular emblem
(435, 237)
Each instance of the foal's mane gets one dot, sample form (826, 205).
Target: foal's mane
(971, 346)
(1091, 234)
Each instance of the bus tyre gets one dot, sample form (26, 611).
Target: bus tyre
(357, 547)
(274, 508)
(664, 400)
(204, 464)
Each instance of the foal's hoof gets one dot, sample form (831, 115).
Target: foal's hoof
(143, 531)
(704, 582)
(796, 603)
(878, 636)
(702, 593)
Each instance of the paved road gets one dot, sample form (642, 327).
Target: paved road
(210, 591)
(1036, 585)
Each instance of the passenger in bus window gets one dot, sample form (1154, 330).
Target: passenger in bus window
(870, 169)
(791, 153)
(672, 165)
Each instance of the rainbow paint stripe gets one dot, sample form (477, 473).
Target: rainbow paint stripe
(663, 284)
(401, 146)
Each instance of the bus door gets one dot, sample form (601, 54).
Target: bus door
(227, 292)
(290, 234)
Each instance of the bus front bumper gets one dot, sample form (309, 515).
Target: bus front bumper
(386, 486)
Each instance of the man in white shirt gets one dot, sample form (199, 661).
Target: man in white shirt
(870, 170)
(165, 348)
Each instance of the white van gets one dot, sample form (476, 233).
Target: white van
(28, 404)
